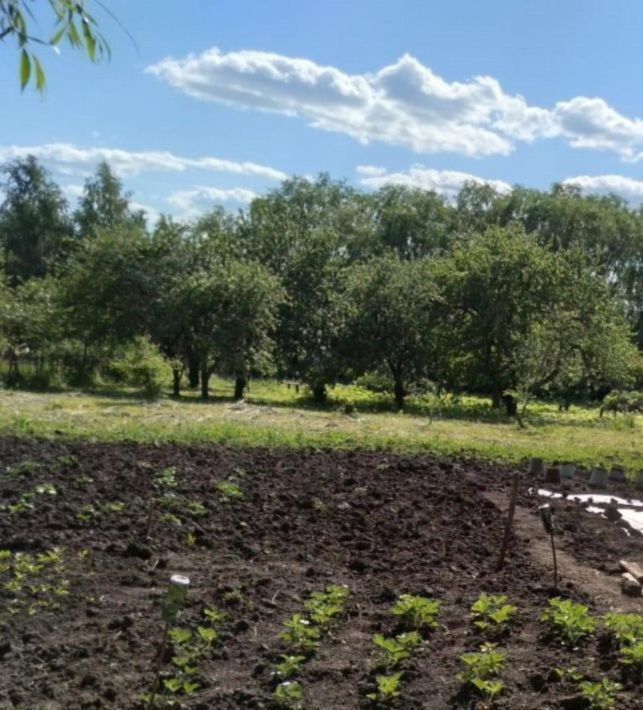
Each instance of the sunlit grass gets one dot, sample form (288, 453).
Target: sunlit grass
(274, 415)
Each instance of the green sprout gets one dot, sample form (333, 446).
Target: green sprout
(289, 694)
(481, 668)
(627, 629)
(569, 620)
(300, 634)
(289, 666)
(417, 612)
(230, 491)
(491, 613)
(601, 696)
(324, 607)
(398, 649)
(388, 688)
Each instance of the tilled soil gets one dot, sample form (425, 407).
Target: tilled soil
(381, 524)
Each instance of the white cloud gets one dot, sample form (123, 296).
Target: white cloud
(190, 203)
(69, 159)
(444, 182)
(404, 104)
(627, 188)
(592, 123)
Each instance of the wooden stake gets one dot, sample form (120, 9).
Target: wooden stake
(159, 664)
(553, 552)
(510, 519)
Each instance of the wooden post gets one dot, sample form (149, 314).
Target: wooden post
(510, 519)
(553, 552)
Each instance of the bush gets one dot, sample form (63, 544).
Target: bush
(624, 402)
(375, 382)
(141, 365)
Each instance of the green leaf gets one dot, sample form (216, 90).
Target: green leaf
(58, 36)
(90, 40)
(25, 68)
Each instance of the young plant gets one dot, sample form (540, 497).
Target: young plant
(230, 492)
(289, 666)
(398, 649)
(627, 629)
(492, 614)
(481, 669)
(289, 695)
(324, 607)
(166, 478)
(568, 620)
(388, 689)
(632, 656)
(300, 634)
(417, 612)
(601, 696)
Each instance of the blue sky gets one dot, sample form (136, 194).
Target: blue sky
(220, 98)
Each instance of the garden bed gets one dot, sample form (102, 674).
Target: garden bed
(258, 532)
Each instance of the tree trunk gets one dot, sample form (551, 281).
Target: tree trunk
(239, 387)
(496, 399)
(319, 393)
(400, 394)
(176, 382)
(511, 406)
(193, 371)
(205, 382)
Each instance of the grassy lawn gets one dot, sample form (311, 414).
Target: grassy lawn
(275, 415)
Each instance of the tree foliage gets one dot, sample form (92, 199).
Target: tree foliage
(512, 295)
(70, 21)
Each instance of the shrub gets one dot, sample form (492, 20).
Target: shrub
(141, 365)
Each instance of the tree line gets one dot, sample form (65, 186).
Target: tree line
(507, 295)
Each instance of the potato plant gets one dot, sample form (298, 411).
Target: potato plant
(492, 614)
(396, 649)
(34, 583)
(289, 694)
(388, 689)
(601, 696)
(302, 635)
(482, 668)
(190, 648)
(627, 630)
(417, 613)
(569, 621)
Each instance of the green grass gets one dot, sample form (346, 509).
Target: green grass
(276, 416)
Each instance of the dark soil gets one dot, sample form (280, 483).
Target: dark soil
(383, 525)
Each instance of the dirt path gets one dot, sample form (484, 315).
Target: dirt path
(604, 589)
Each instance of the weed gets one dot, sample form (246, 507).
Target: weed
(388, 688)
(230, 491)
(398, 649)
(491, 613)
(601, 696)
(417, 612)
(569, 620)
(289, 694)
